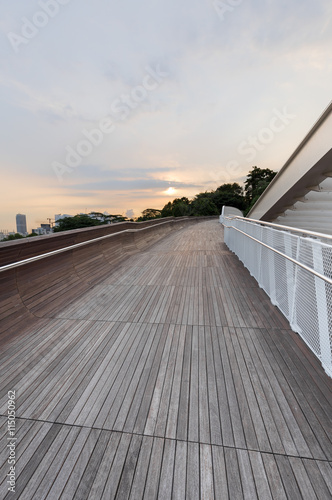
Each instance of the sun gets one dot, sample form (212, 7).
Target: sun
(170, 191)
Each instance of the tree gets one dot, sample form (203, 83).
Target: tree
(230, 195)
(115, 218)
(16, 236)
(179, 207)
(76, 222)
(107, 218)
(203, 204)
(150, 213)
(257, 181)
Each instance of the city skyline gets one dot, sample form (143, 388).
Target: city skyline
(119, 108)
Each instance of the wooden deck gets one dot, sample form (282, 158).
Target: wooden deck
(174, 378)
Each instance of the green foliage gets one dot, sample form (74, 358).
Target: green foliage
(150, 213)
(257, 181)
(76, 222)
(107, 218)
(86, 220)
(179, 207)
(230, 195)
(203, 204)
(16, 236)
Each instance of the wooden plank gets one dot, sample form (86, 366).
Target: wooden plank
(237, 425)
(317, 480)
(52, 463)
(161, 332)
(158, 389)
(265, 426)
(141, 471)
(167, 471)
(261, 480)
(98, 484)
(121, 379)
(219, 473)
(203, 401)
(280, 410)
(246, 475)
(183, 414)
(118, 399)
(273, 477)
(180, 471)
(127, 475)
(173, 409)
(193, 472)
(193, 425)
(36, 456)
(302, 479)
(326, 471)
(153, 477)
(282, 392)
(298, 402)
(212, 391)
(206, 476)
(224, 408)
(233, 474)
(246, 400)
(161, 423)
(288, 478)
(128, 412)
(114, 476)
(151, 370)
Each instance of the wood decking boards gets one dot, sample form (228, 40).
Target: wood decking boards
(174, 378)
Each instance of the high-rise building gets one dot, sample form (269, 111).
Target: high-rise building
(21, 223)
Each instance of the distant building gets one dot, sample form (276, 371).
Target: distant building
(58, 217)
(3, 234)
(21, 224)
(43, 229)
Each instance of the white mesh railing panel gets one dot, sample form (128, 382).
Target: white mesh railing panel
(304, 297)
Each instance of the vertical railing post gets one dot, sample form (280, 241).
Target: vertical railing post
(259, 280)
(293, 318)
(322, 309)
(271, 270)
(290, 275)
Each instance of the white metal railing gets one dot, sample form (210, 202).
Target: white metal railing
(294, 268)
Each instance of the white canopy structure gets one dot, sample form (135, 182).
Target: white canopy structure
(229, 211)
(301, 193)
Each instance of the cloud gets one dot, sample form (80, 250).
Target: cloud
(130, 213)
(121, 180)
(224, 79)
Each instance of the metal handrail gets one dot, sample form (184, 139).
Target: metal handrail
(307, 268)
(76, 245)
(280, 226)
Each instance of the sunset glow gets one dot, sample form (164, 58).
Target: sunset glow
(170, 191)
(118, 107)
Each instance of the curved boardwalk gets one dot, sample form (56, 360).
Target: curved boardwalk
(173, 378)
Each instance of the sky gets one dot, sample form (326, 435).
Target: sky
(121, 105)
